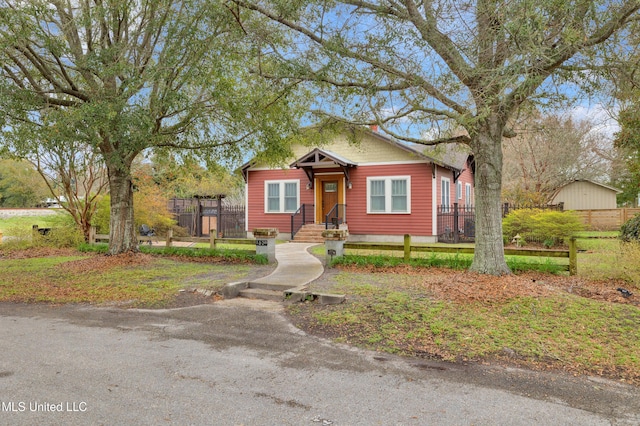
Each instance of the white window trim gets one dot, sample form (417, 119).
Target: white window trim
(281, 196)
(445, 206)
(459, 190)
(387, 193)
(467, 194)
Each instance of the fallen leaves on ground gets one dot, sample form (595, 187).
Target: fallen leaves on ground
(36, 252)
(464, 286)
(97, 263)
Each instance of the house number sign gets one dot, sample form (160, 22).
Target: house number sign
(261, 243)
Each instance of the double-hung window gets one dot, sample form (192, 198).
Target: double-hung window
(459, 190)
(467, 195)
(389, 194)
(445, 194)
(282, 196)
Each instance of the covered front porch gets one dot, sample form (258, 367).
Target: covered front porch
(329, 177)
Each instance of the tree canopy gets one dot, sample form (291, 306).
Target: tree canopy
(21, 185)
(416, 66)
(549, 151)
(125, 76)
(626, 78)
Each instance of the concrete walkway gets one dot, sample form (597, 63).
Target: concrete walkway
(296, 269)
(296, 266)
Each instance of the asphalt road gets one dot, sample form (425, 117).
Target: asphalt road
(242, 363)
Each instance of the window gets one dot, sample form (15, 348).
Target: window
(389, 194)
(282, 196)
(330, 187)
(459, 190)
(445, 194)
(467, 194)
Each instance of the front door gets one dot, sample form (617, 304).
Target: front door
(329, 196)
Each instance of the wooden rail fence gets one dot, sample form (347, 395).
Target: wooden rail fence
(407, 248)
(170, 239)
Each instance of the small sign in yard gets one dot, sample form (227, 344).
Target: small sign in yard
(331, 252)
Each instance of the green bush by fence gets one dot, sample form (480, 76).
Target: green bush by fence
(548, 227)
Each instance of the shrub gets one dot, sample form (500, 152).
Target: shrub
(67, 236)
(628, 260)
(22, 238)
(548, 226)
(149, 208)
(519, 222)
(101, 217)
(630, 230)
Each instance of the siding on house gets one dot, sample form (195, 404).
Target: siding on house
(418, 222)
(257, 218)
(586, 195)
(465, 177)
(370, 149)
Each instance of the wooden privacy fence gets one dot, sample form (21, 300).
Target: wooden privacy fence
(607, 219)
(169, 239)
(407, 248)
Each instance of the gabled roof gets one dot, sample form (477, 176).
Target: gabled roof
(453, 154)
(457, 163)
(321, 157)
(421, 152)
(611, 188)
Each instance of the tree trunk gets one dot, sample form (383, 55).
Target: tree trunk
(122, 231)
(489, 246)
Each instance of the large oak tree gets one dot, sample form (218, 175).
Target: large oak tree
(447, 63)
(126, 76)
(624, 78)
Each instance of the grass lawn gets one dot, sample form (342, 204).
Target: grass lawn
(141, 280)
(26, 222)
(579, 324)
(450, 315)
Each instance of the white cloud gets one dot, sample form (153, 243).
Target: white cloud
(603, 118)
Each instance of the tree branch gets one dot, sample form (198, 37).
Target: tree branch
(344, 51)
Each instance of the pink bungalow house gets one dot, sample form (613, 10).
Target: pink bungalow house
(379, 189)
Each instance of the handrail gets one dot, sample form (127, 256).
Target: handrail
(337, 212)
(300, 214)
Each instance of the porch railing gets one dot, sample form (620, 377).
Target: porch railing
(301, 217)
(336, 216)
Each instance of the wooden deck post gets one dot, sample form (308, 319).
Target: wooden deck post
(212, 238)
(169, 237)
(92, 235)
(573, 256)
(407, 248)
